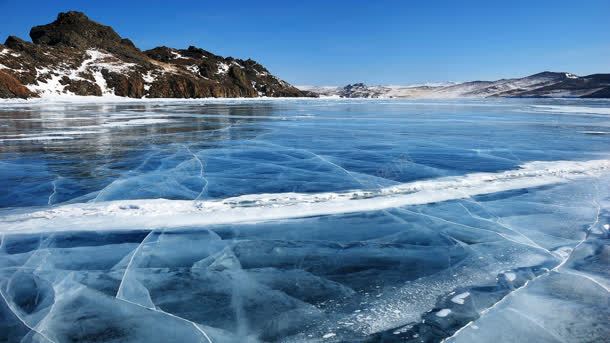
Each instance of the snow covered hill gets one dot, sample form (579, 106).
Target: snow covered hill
(77, 56)
(545, 84)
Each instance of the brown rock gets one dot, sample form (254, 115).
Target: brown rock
(10, 87)
(81, 87)
(124, 85)
(64, 46)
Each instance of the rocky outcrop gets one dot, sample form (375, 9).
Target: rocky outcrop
(10, 87)
(360, 90)
(545, 84)
(75, 55)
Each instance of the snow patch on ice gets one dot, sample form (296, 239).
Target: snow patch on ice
(572, 109)
(460, 298)
(137, 122)
(37, 138)
(129, 214)
(443, 313)
(50, 135)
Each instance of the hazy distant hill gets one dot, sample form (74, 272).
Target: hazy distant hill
(545, 84)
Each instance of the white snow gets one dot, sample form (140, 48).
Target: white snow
(255, 86)
(459, 299)
(223, 68)
(572, 109)
(176, 55)
(443, 313)
(14, 70)
(148, 78)
(48, 135)
(101, 82)
(36, 138)
(137, 122)
(237, 64)
(94, 64)
(165, 67)
(260, 73)
(9, 52)
(99, 60)
(329, 335)
(128, 214)
(49, 86)
(193, 68)
(510, 276)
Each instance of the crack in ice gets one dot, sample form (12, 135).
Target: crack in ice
(497, 222)
(545, 274)
(201, 173)
(135, 252)
(54, 183)
(21, 319)
(171, 315)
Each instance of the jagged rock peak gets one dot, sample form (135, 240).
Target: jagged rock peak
(74, 55)
(76, 30)
(356, 85)
(15, 43)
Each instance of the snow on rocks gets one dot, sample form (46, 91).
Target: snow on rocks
(223, 68)
(49, 79)
(148, 78)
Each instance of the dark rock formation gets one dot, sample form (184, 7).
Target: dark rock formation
(360, 90)
(75, 55)
(74, 29)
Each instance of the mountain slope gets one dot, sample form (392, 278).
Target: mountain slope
(545, 84)
(77, 56)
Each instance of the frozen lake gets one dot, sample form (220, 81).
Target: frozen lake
(305, 220)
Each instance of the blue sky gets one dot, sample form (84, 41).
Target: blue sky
(377, 42)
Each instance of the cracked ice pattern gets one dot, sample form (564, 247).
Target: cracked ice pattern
(517, 262)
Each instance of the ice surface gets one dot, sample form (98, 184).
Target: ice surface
(298, 220)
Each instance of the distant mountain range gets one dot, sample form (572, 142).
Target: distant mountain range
(76, 56)
(545, 84)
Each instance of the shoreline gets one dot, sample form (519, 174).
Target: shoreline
(77, 99)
